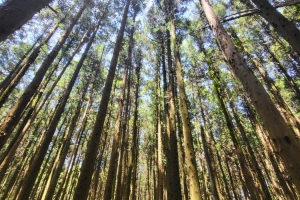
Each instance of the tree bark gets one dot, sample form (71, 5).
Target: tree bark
(86, 172)
(15, 13)
(14, 114)
(193, 177)
(281, 135)
(281, 25)
(35, 165)
(10, 82)
(112, 169)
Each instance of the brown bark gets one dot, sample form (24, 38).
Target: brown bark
(112, 170)
(124, 140)
(173, 178)
(132, 163)
(208, 152)
(35, 165)
(73, 154)
(257, 170)
(281, 25)
(14, 78)
(193, 177)
(269, 150)
(281, 135)
(241, 157)
(281, 103)
(14, 114)
(214, 183)
(15, 13)
(249, 12)
(162, 147)
(86, 172)
(63, 151)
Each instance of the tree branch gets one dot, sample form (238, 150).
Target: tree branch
(249, 12)
(52, 9)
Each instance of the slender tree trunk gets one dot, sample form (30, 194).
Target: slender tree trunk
(86, 172)
(134, 146)
(124, 140)
(283, 70)
(173, 178)
(15, 13)
(34, 168)
(214, 183)
(112, 170)
(73, 154)
(63, 151)
(32, 111)
(16, 68)
(11, 81)
(13, 72)
(251, 186)
(281, 135)
(193, 177)
(269, 151)
(128, 167)
(283, 106)
(281, 25)
(14, 114)
(257, 170)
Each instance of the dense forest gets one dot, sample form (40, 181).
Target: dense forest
(149, 99)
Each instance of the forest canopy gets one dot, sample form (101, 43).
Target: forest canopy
(149, 99)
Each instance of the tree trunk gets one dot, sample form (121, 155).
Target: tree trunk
(257, 170)
(238, 150)
(11, 81)
(15, 13)
(14, 114)
(63, 151)
(281, 25)
(86, 172)
(159, 138)
(35, 165)
(193, 177)
(281, 135)
(214, 183)
(124, 140)
(112, 169)
(134, 146)
(173, 178)
(73, 154)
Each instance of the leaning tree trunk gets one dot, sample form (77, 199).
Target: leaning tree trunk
(257, 171)
(52, 181)
(11, 81)
(31, 114)
(281, 135)
(240, 154)
(86, 172)
(37, 162)
(15, 13)
(15, 113)
(281, 25)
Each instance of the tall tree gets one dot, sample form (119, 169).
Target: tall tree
(15, 13)
(86, 171)
(16, 112)
(280, 133)
(282, 26)
(190, 158)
